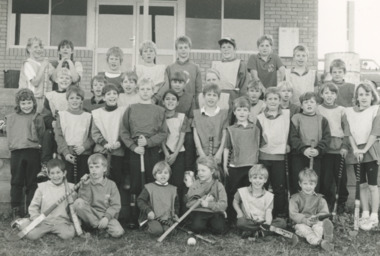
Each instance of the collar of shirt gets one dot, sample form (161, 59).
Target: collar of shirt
(203, 111)
(248, 126)
(160, 184)
(343, 82)
(250, 190)
(32, 60)
(329, 106)
(102, 183)
(182, 62)
(312, 194)
(293, 71)
(268, 58)
(93, 101)
(172, 116)
(279, 112)
(75, 111)
(229, 60)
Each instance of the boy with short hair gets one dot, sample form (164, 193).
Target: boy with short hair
(307, 128)
(302, 78)
(113, 74)
(304, 209)
(242, 142)
(345, 97)
(98, 202)
(233, 71)
(210, 122)
(73, 134)
(255, 93)
(158, 201)
(254, 205)
(183, 63)
(129, 94)
(336, 150)
(265, 64)
(58, 221)
(286, 92)
(96, 101)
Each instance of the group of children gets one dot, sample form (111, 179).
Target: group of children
(251, 134)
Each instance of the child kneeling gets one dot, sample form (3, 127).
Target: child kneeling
(98, 202)
(304, 208)
(158, 201)
(254, 204)
(58, 221)
(211, 212)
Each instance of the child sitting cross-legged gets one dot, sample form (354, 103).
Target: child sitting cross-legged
(304, 208)
(98, 202)
(158, 201)
(254, 205)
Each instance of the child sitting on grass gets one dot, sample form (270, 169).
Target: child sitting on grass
(158, 201)
(58, 221)
(304, 209)
(98, 202)
(254, 205)
(210, 214)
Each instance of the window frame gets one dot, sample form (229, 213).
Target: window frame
(89, 33)
(222, 30)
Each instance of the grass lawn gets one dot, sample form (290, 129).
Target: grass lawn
(136, 242)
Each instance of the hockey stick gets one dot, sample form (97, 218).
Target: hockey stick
(43, 215)
(142, 167)
(357, 197)
(73, 214)
(210, 146)
(340, 174)
(312, 145)
(75, 168)
(287, 175)
(172, 227)
(322, 217)
(281, 232)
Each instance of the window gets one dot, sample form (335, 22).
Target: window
(50, 20)
(208, 21)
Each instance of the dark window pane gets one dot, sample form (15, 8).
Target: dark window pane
(69, 7)
(115, 9)
(242, 9)
(158, 10)
(209, 9)
(30, 6)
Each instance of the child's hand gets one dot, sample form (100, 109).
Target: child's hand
(140, 150)
(225, 168)
(314, 152)
(175, 218)
(171, 158)
(2, 124)
(307, 152)
(79, 150)
(209, 198)
(116, 145)
(204, 203)
(53, 124)
(218, 157)
(107, 146)
(70, 158)
(103, 223)
(151, 215)
(189, 178)
(343, 152)
(85, 177)
(239, 215)
(142, 141)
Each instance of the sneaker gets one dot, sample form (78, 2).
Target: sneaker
(327, 246)
(328, 230)
(371, 223)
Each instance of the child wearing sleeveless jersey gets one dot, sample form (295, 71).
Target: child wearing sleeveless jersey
(73, 134)
(158, 201)
(274, 124)
(363, 129)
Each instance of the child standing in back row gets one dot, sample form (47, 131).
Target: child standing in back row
(345, 97)
(363, 129)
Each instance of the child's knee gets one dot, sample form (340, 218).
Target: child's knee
(68, 233)
(79, 203)
(155, 228)
(198, 226)
(114, 229)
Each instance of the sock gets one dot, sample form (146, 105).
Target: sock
(365, 214)
(375, 216)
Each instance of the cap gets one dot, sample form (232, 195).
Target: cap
(227, 39)
(179, 76)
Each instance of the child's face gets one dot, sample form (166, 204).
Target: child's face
(183, 50)
(26, 106)
(308, 186)
(211, 98)
(114, 63)
(129, 85)
(97, 88)
(111, 98)
(65, 51)
(97, 170)
(63, 81)
(257, 181)
(300, 58)
(177, 86)
(254, 94)
(228, 51)
(337, 74)
(328, 96)
(148, 55)
(162, 176)
(309, 106)
(211, 78)
(265, 48)
(272, 101)
(145, 92)
(241, 114)
(36, 51)
(286, 94)
(364, 98)
(170, 102)
(56, 175)
(204, 173)
(75, 101)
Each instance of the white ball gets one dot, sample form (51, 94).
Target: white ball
(191, 241)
